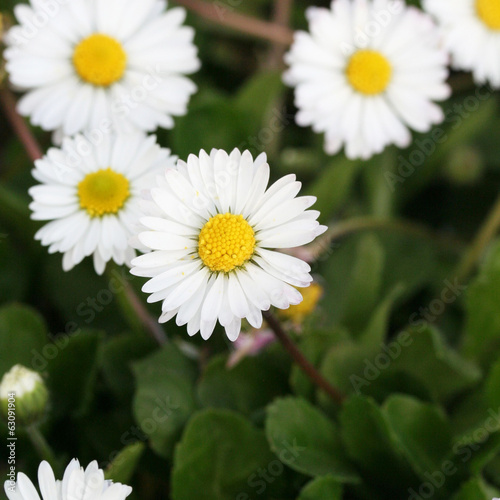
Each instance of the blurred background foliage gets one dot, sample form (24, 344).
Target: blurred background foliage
(422, 415)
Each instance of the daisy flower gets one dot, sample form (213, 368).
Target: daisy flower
(472, 35)
(92, 64)
(366, 72)
(212, 227)
(77, 483)
(90, 195)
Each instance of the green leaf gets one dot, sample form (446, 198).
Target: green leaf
(118, 354)
(220, 457)
(482, 328)
(322, 488)
(422, 432)
(213, 123)
(165, 396)
(492, 386)
(73, 370)
(256, 97)
(247, 387)
(402, 253)
(14, 278)
(378, 193)
(345, 364)
(376, 330)
(123, 466)
(23, 337)
(333, 185)
(474, 489)
(364, 288)
(373, 446)
(443, 371)
(294, 424)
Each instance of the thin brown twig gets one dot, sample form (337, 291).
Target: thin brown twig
(22, 130)
(240, 22)
(281, 17)
(300, 359)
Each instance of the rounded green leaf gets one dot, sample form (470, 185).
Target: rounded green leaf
(165, 397)
(306, 440)
(222, 456)
(322, 488)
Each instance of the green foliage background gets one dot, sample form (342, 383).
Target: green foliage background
(411, 342)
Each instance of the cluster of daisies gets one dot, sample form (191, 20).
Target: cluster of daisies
(101, 75)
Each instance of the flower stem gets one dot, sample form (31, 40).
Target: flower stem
(239, 22)
(369, 223)
(486, 233)
(135, 313)
(300, 359)
(22, 130)
(41, 446)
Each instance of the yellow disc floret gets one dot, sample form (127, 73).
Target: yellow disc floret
(100, 60)
(489, 12)
(226, 242)
(103, 192)
(310, 295)
(368, 72)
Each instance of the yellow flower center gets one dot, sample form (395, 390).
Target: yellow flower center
(103, 192)
(369, 72)
(311, 295)
(489, 12)
(226, 241)
(100, 60)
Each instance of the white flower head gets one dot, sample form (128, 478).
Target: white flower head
(89, 65)
(77, 484)
(91, 193)
(366, 72)
(471, 31)
(213, 227)
(19, 380)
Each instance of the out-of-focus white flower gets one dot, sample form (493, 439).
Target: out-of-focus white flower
(87, 65)
(366, 72)
(471, 30)
(92, 201)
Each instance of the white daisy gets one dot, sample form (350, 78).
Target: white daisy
(77, 484)
(471, 31)
(91, 193)
(366, 71)
(101, 63)
(212, 226)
